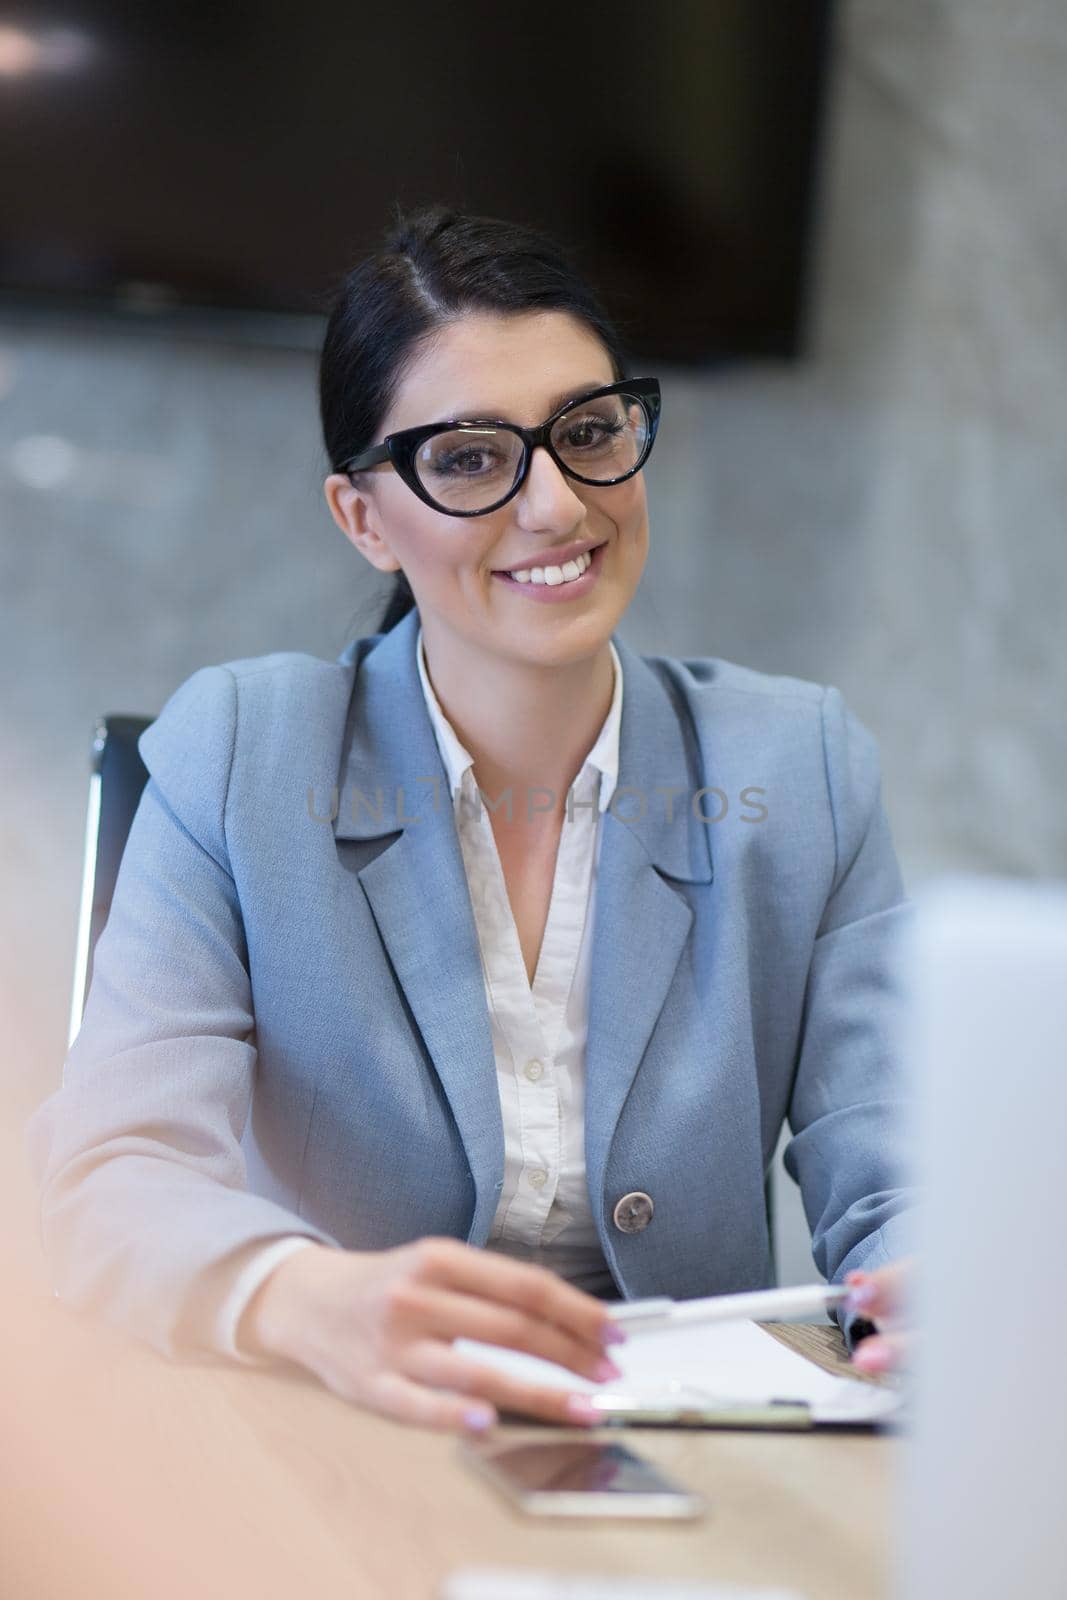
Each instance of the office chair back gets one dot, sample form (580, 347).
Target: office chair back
(117, 777)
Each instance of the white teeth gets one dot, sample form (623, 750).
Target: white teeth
(554, 575)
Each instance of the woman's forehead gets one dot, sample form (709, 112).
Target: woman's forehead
(518, 367)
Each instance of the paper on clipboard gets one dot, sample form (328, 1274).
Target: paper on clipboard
(718, 1366)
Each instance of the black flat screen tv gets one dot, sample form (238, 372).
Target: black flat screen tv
(238, 156)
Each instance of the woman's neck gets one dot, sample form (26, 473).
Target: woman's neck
(526, 726)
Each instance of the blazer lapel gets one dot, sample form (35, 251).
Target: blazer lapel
(392, 782)
(642, 920)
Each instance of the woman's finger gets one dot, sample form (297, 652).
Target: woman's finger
(437, 1364)
(882, 1352)
(449, 1315)
(448, 1263)
(882, 1293)
(392, 1394)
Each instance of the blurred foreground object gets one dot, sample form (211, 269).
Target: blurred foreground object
(981, 1508)
(117, 1480)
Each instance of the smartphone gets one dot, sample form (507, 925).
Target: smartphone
(579, 1478)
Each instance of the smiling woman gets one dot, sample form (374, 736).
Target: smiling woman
(490, 503)
(355, 1082)
(533, 484)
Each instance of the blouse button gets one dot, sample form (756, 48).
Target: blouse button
(633, 1212)
(538, 1177)
(533, 1070)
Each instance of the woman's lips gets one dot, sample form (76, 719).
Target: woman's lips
(550, 594)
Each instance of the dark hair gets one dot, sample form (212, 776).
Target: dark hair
(436, 264)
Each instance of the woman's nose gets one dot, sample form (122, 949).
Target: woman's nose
(548, 498)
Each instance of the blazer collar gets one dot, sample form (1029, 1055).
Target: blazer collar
(391, 772)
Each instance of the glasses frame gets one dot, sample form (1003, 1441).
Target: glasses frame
(399, 448)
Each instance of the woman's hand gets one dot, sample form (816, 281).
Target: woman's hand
(882, 1296)
(377, 1328)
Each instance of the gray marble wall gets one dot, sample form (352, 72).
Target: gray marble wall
(887, 516)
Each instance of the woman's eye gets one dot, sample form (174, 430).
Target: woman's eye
(464, 463)
(591, 431)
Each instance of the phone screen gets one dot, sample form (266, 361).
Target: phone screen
(576, 1466)
(579, 1476)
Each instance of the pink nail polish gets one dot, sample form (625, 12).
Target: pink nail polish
(579, 1409)
(613, 1334)
(860, 1296)
(604, 1370)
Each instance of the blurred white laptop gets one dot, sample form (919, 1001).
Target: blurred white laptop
(980, 1503)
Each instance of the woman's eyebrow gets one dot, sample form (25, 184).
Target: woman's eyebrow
(576, 393)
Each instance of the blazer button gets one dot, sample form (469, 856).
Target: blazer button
(634, 1212)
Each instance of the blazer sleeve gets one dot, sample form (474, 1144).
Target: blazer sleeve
(145, 1214)
(847, 1112)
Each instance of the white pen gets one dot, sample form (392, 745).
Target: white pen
(760, 1305)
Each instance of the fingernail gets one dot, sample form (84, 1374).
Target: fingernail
(606, 1369)
(478, 1418)
(611, 1333)
(580, 1409)
(871, 1356)
(860, 1296)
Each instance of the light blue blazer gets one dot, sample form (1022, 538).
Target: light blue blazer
(287, 1029)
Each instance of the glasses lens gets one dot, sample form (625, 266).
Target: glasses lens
(467, 469)
(604, 438)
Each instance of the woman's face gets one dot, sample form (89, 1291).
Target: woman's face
(512, 368)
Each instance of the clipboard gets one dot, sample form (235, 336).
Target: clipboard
(852, 1407)
(734, 1375)
(628, 1411)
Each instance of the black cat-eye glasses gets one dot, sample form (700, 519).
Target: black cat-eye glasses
(468, 467)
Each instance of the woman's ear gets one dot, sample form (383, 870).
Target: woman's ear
(356, 514)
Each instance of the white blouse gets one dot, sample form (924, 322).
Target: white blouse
(538, 1031)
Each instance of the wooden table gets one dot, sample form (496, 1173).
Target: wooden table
(123, 1475)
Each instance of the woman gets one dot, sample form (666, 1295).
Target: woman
(462, 985)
